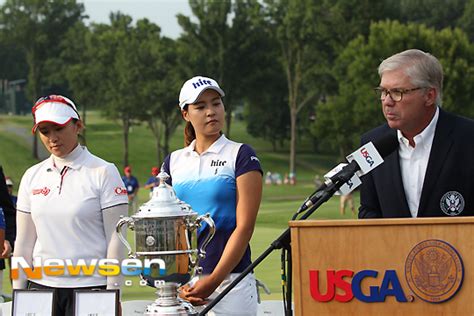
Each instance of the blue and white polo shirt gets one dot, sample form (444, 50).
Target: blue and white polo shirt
(207, 182)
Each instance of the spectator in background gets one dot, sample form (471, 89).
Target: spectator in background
(131, 183)
(152, 181)
(317, 181)
(268, 178)
(347, 199)
(9, 183)
(276, 178)
(292, 178)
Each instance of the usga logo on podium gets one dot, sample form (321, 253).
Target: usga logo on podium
(434, 273)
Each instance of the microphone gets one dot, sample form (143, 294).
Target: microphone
(361, 162)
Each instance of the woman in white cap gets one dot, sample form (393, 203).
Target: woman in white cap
(67, 207)
(218, 176)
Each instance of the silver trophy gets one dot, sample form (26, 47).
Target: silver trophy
(166, 235)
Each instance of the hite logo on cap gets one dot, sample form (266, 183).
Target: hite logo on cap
(192, 89)
(202, 82)
(452, 203)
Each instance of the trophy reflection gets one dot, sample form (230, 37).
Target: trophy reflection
(166, 243)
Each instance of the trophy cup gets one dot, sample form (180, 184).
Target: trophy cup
(166, 228)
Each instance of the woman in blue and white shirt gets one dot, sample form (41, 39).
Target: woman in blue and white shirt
(218, 176)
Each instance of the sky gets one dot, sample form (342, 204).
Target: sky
(161, 12)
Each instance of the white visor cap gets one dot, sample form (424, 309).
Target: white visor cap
(59, 112)
(194, 87)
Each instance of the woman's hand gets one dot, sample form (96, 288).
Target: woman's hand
(200, 291)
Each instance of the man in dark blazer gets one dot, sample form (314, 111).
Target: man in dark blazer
(432, 172)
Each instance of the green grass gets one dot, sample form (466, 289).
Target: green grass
(279, 202)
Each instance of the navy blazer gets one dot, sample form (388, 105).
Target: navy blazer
(450, 169)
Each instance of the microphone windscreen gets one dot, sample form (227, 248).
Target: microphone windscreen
(386, 144)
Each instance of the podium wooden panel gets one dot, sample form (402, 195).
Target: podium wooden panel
(380, 245)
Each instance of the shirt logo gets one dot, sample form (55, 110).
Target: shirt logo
(45, 191)
(218, 163)
(452, 203)
(120, 191)
(254, 158)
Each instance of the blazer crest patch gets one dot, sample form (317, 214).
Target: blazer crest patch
(452, 203)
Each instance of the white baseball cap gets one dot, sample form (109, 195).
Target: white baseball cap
(55, 109)
(8, 181)
(194, 87)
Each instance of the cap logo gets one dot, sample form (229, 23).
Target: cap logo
(452, 203)
(201, 83)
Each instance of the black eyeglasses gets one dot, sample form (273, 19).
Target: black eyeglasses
(395, 94)
(53, 98)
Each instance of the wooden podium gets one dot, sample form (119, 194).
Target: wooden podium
(422, 266)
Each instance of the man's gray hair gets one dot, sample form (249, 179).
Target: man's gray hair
(424, 69)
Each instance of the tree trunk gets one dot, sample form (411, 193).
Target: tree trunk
(293, 115)
(158, 151)
(126, 129)
(35, 91)
(166, 145)
(155, 130)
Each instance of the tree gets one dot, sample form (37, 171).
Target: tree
(303, 56)
(220, 45)
(466, 22)
(37, 26)
(81, 69)
(161, 76)
(431, 13)
(116, 49)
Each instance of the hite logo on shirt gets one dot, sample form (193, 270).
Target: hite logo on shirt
(120, 191)
(217, 163)
(45, 191)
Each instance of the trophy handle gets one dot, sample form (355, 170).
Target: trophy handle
(118, 228)
(212, 230)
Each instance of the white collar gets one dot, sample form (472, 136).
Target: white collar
(71, 160)
(214, 148)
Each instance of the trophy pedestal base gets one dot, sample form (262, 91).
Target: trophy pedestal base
(168, 303)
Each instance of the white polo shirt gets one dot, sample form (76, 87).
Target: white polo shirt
(66, 207)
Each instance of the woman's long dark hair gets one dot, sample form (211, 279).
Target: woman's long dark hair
(189, 134)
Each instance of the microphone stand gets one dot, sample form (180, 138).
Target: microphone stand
(283, 241)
